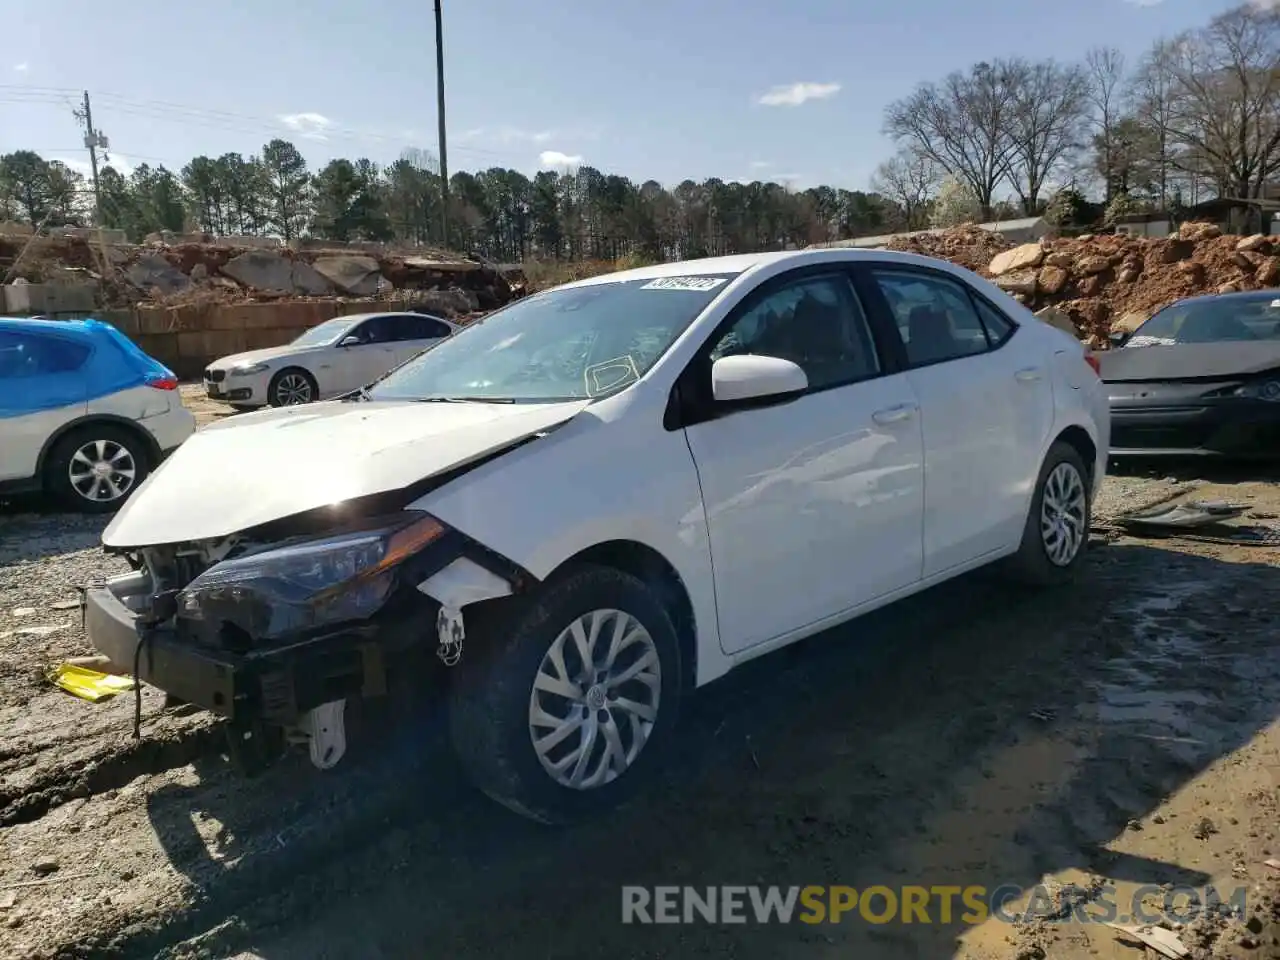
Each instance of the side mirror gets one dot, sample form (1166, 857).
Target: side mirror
(752, 377)
(1118, 338)
(349, 342)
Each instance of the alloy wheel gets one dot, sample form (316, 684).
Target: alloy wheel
(293, 388)
(595, 699)
(102, 471)
(1063, 512)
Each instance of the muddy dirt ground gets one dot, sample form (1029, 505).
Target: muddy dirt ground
(1119, 733)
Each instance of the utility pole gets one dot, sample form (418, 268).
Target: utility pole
(93, 139)
(444, 159)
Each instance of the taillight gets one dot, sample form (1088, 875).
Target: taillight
(162, 383)
(1093, 362)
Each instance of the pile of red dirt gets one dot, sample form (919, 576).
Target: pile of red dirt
(1097, 284)
(967, 246)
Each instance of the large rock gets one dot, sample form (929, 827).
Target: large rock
(357, 276)
(1052, 279)
(446, 303)
(1171, 251)
(1060, 259)
(1019, 258)
(1197, 230)
(1022, 282)
(443, 266)
(1248, 262)
(1192, 270)
(1129, 322)
(1091, 285)
(1257, 243)
(153, 272)
(1088, 266)
(1058, 318)
(273, 273)
(1268, 274)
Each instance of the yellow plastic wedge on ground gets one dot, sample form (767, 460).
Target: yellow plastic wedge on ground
(89, 684)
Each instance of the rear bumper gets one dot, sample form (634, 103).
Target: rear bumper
(1241, 429)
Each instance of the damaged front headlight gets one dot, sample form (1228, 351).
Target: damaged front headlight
(307, 584)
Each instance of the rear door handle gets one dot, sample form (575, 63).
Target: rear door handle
(1028, 374)
(894, 414)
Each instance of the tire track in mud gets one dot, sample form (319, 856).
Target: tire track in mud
(117, 760)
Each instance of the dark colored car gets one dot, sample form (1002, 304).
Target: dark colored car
(1201, 377)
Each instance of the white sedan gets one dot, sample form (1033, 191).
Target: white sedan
(604, 496)
(330, 359)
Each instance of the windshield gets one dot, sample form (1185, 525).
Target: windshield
(1212, 320)
(566, 344)
(326, 332)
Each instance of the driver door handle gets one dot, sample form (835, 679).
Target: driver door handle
(1028, 374)
(894, 414)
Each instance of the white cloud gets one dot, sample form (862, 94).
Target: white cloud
(792, 95)
(20, 67)
(309, 126)
(558, 160)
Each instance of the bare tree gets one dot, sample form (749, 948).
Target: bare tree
(1105, 68)
(909, 179)
(1225, 98)
(1152, 92)
(1046, 124)
(962, 125)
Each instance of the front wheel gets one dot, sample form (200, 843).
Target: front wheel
(292, 386)
(1057, 529)
(570, 705)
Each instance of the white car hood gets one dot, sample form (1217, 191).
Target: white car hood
(254, 468)
(259, 356)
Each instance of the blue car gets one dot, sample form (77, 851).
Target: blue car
(85, 415)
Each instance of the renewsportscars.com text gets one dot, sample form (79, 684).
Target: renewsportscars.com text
(920, 904)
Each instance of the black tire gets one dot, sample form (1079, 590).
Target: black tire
(491, 689)
(274, 389)
(57, 468)
(1032, 564)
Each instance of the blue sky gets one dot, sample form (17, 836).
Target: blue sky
(661, 89)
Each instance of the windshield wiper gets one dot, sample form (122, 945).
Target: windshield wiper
(463, 400)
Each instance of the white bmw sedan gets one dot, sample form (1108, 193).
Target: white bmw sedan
(603, 497)
(330, 359)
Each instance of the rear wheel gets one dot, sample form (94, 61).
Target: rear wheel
(292, 386)
(95, 468)
(570, 707)
(1057, 530)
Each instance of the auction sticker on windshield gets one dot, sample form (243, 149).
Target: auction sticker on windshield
(694, 284)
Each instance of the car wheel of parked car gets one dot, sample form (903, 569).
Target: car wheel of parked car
(95, 468)
(291, 386)
(567, 703)
(1057, 531)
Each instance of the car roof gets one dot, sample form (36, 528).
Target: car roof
(389, 313)
(77, 328)
(746, 262)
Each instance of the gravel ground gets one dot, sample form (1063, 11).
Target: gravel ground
(976, 735)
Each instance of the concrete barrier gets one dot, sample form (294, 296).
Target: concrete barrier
(188, 338)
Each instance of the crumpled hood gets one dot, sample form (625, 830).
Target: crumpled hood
(258, 356)
(251, 469)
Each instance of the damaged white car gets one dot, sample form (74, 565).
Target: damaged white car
(601, 497)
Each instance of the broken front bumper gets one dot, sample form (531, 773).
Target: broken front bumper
(275, 685)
